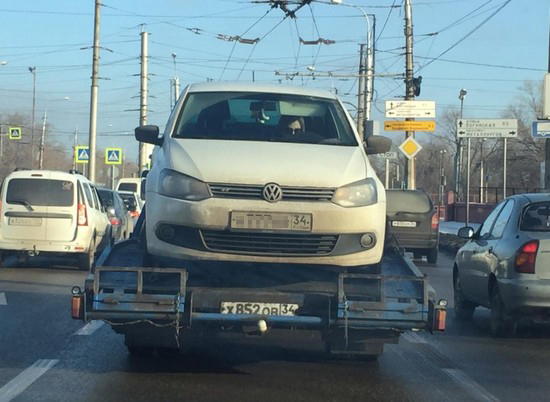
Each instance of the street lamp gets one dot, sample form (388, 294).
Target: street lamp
(461, 96)
(33, 72)
(441, 181)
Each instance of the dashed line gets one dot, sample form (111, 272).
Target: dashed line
(90, 328)
(3, 301)
(25, 379)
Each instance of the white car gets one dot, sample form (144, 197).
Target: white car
(133, 203)
(263, 174)
(132, 185)
(52, 213)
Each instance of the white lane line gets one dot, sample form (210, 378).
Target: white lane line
(90, 328)
(25, 379)
(3, 301)
(413, 338)
(473, 388)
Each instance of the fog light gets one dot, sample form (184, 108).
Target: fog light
(166, 232)
(368, 240)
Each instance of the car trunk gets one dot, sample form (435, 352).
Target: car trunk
(542, 264)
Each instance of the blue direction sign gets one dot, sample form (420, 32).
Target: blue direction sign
(113, 156)
(81, 154)
(540, 129)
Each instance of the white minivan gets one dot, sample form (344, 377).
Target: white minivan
(264, 174)
(52, 213)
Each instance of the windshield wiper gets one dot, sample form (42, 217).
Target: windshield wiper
(24, 203)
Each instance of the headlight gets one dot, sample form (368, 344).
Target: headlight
(358, 194)
(176, 185)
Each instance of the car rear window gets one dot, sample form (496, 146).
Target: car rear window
(536, 217)
(407, 201)
(128, 187)
(40, 192)
(127, 197)
(106, 197)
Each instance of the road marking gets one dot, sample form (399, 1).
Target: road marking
(413, 338)
(473, 388)
(90, 328)
(25, 379)
(3, 301)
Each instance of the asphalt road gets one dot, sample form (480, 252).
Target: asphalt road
(47, 356)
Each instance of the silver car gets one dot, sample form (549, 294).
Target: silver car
(506, 264)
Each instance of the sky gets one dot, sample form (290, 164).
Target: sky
(489, 47)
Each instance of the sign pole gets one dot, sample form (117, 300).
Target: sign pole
(504, 169)
(112, 177)
(468, 184)
(387, 173)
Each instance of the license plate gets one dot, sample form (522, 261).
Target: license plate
(271, 221)
(287, 309)
(25, 221)
(404, 224)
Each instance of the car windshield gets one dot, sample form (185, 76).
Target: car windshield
(40, 192)
(263, 117)
(407, 201)
(535, 217)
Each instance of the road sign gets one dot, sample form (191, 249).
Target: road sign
(113, 156)
(401, 108)
(409, 125)
(410, 147)
(14, 133)
(540, 129)
(487, 128)
(387, 155)
(81, 154)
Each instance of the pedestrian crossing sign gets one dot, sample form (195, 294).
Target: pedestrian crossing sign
(113, 156)
(81, 154)
(14, 133)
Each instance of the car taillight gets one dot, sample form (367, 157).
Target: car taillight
(435, 221)
(526, 257)
(115, 221)
(134, 214)
(82, 215)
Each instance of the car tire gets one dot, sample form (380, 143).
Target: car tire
(502, 325)
(464, 309)
(432, 255)
(86, 260)
(417, 255)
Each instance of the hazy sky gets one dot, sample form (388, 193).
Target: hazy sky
(488, 47)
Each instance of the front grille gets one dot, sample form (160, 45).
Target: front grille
(254, 192)
(268, 243)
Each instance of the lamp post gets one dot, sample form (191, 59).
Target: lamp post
(33, 72)
(441, 181)
(461, 96)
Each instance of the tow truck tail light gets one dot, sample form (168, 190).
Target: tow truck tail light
(82, 215)
(439, 319)
(435, 221)
(77, 303)
(134, 214)
(526, 257)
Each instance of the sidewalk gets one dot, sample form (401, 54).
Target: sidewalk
(452, 227)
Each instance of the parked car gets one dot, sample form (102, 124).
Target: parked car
(133, 185)
(133, 203)
(119, 216)
(505, 265)
(52, 213)
(414, 222)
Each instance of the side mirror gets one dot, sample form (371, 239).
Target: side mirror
(148, 134)
(377, 145)
(466, 232)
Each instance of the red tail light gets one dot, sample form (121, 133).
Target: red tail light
(82, 215)
(115, 221)
(134, 214)
(526, 257)
(435, 221)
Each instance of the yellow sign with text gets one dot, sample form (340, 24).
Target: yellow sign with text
(409, 125)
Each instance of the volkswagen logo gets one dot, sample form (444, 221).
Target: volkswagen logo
(272, 192)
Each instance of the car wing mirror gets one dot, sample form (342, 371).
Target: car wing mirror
(148, 134)
(466, 232)
(376, 144)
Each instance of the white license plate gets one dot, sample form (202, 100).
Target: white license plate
(287, 309)
(271, 221)
(25, 221)
(404, 224)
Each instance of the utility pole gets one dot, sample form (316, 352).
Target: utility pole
(547, 141)
(360, 89)
(33, 72)
(41, 147)
(75, 143)
(93, 95)
(143, 100)
(175, 83)
(369, 82)
(409, 86)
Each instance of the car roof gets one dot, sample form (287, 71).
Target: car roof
(54, 174)
(261, 88)
(532, 197)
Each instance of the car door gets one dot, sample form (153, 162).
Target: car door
(62, 210)
(487, 258)
(468, 257)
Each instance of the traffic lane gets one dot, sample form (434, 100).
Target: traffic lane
(509, 368)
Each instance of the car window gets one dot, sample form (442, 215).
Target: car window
(536, 217)
(407, 201)
(502, 220)
(128, 187)
(40, 192)
(97, 204)
(485, 228)
(106, 197)
(88, 194)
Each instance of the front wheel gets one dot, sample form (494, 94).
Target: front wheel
(502, 325)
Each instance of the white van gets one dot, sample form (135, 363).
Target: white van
(133, 185)
(264, 174)
(52, 213)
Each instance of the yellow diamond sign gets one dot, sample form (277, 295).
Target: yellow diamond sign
(410, 147)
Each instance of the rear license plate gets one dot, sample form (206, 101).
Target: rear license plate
(403, 224)
(25, 221)
(271, 221)
(287, 309)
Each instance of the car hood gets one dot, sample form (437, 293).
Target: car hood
(248, 162)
